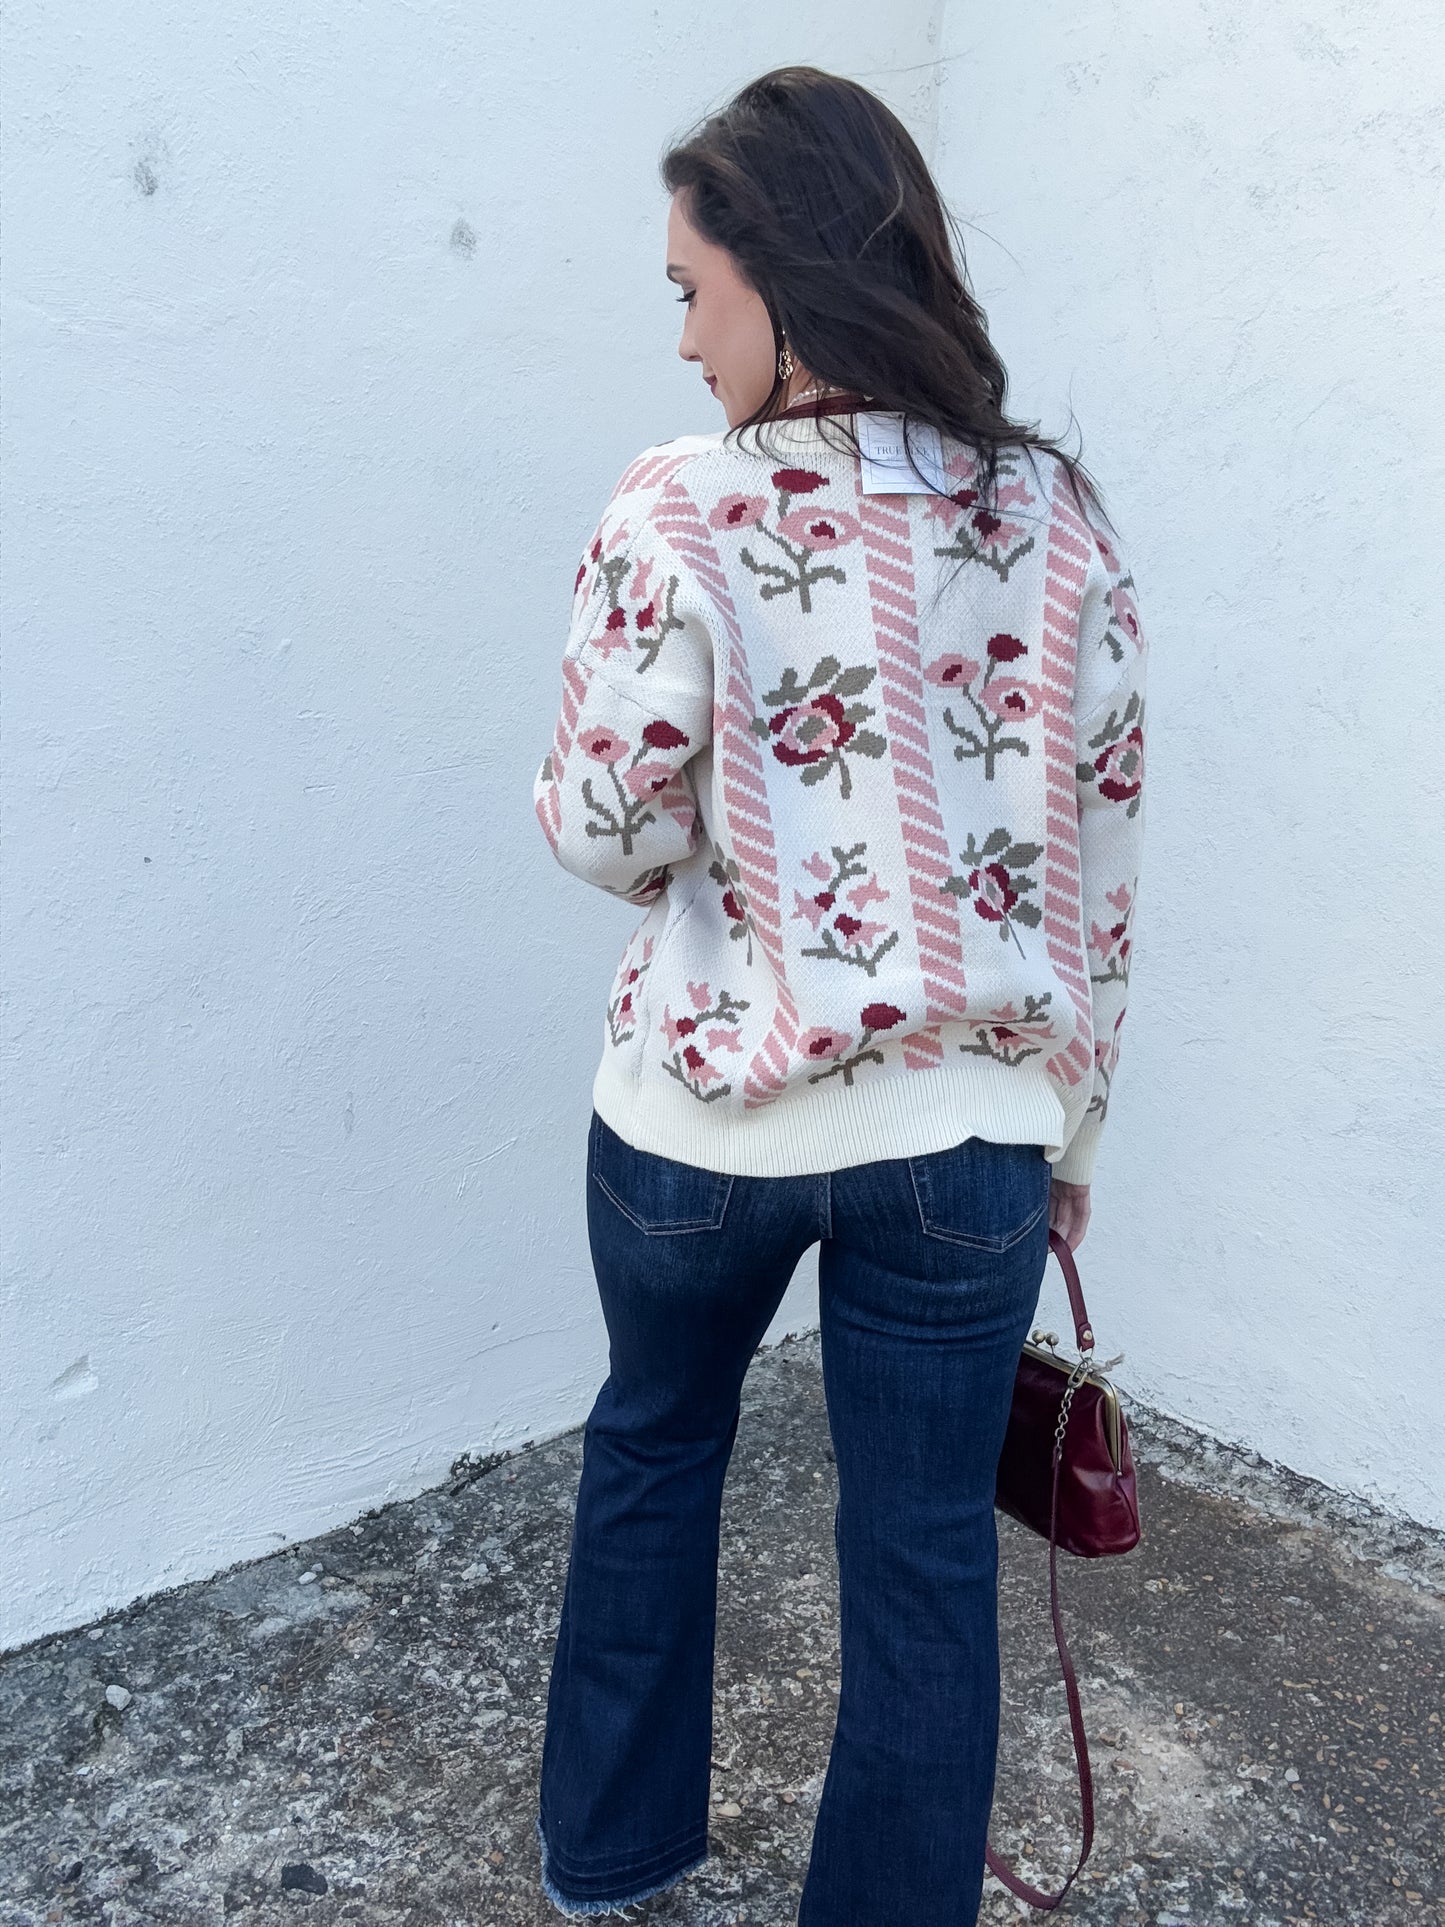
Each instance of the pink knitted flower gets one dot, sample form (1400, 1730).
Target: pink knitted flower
(1119, 767)
(698, 1066)
(820, 528)
(993, 892)
(822, 1042)
(869, 932)
(1009, 698)
(1005, 648)
(806, 732)
(1107, 942)
(675, 1027)
(798, 481)
(814, 908)
(738, 512)
(869, 891)
(1126, 614)
(881, 1016)
(951, 672)
(603, 745)
(646, 779)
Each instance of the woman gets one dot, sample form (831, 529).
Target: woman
(866, 744)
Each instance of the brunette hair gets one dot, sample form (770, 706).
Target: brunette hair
(820, 194)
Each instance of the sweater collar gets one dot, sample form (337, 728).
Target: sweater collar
(799, 428)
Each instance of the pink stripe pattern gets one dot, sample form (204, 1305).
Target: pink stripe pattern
(888, 555)
(648, 471)
(730, 586)
(1066, 570)
(574, 686)
(743, 784)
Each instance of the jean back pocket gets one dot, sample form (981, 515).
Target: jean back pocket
(981, 1194)
(659, 1195)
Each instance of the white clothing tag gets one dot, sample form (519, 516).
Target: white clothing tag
(886, 468)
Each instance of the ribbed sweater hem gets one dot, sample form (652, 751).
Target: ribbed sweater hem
(828, 1126)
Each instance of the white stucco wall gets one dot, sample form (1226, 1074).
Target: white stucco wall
(325, 336)
(1214, 230)
(327, 333)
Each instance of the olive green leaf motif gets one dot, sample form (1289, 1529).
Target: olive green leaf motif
(799, 536)
(1117, 772)
(712, 1025)
(724, 871)
(995, 880)
(641, 612)
(845, 931)
(815, 727)
(1008, 1036)
(841, 1051)
(985, 535)
(622, 1010)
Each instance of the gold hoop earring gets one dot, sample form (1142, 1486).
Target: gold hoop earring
(786, 364)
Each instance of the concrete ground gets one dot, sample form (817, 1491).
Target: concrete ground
(351, 1729)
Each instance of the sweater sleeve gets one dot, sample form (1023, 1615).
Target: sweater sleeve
(1109, 740)
(616, 793)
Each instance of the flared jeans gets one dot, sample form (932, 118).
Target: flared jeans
(929, 1269)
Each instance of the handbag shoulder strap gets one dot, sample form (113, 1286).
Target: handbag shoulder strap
(1083, 1330)
(1033, 1895)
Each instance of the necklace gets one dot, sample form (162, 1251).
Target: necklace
(824, 396)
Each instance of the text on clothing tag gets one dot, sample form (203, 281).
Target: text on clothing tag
(886, 468)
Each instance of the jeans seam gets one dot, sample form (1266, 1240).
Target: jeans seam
(608, 1865)
(612, 1903)
(946, 1236)
(666, 1230)
(985, 1244)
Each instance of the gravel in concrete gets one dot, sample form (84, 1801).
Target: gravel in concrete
(351, 1730)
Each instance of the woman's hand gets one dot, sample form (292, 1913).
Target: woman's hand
(1069, 1211)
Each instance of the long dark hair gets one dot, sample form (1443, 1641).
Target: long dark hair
(820, 194)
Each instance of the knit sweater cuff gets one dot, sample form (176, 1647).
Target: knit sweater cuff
(1076, 1166)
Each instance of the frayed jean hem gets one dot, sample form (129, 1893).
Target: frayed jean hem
(585, 1907)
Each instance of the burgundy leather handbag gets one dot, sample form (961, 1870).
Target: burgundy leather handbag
(1067, 1472)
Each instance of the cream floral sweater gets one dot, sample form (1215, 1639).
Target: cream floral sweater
(884, 825)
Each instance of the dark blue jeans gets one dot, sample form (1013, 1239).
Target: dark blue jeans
(929, 1271)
